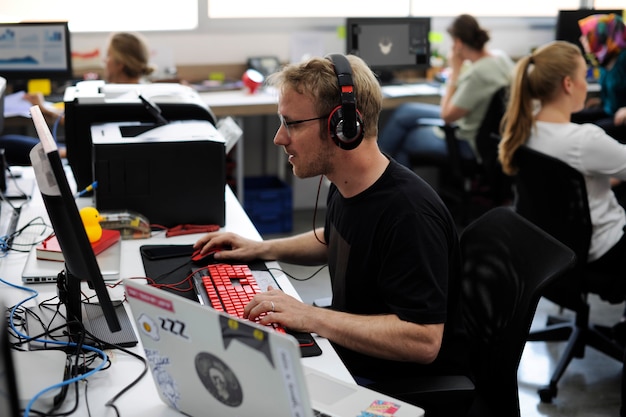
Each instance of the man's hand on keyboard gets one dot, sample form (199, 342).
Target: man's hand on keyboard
(241, 249)
(274, 306)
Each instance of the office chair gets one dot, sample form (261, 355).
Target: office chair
(480, 178)
(507, 263)
(553, 195)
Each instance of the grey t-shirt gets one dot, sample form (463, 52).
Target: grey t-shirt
(475, 87)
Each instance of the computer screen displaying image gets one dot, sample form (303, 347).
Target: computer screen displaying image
(389, 44)
(31, 50)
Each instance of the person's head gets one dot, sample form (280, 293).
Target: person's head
(553, 73)
(465, 29)
(127, 59)
(603, 35)
(310, 90)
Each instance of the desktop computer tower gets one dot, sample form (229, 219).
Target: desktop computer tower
(172, 174)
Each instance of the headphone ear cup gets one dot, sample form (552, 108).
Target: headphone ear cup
(335, 128)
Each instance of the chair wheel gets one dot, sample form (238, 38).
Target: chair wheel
(546, 394)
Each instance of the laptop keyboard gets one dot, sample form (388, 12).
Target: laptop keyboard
(229, 288)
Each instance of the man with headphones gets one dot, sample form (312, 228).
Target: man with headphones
(389, 241)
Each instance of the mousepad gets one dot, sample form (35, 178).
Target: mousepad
(170, 272)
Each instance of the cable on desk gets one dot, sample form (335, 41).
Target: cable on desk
(81, 346)
(296, 278)
(7, 242)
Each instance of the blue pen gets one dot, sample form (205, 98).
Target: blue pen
(87, 189)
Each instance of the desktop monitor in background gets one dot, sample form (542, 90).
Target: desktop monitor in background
(80, 261)
(390, 44)
(567, 28)
(34, 50)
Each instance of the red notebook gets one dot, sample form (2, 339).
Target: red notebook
(50, 250)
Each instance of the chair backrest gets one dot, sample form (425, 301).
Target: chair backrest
(507, 263)
(485, 145)
(553, 195)
(3, 89)
(489, 127)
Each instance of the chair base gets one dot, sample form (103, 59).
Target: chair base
(578, 338)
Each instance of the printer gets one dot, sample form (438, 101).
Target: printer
(172, 173)
(95, 102)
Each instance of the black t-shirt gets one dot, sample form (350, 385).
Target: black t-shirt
(394, 249)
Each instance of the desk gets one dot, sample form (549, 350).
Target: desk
(142, 400)
(239, 104)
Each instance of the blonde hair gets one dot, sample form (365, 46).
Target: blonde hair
(132, 52)
(316, 78)
(537, 77)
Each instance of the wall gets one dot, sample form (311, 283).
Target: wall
(231, 41)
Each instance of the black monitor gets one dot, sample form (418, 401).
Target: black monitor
(388, 44)
(31, 50)
(567, 28)
(9, 402)
(80, 260)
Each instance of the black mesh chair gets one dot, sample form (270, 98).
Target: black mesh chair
(507, 263)
(481, 179)
(553, 195)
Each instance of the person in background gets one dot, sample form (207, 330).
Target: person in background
(127, 62)
(604, 38)
(465, 100)
(389, 241)
(555, 76)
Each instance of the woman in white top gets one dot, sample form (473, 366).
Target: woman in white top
(555, 77)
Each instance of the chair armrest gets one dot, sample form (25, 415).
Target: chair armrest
(425, 385)
(453, 393)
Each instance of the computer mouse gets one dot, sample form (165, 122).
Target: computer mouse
(205, 258)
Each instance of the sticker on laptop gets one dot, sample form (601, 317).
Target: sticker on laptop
(166, 384)
(251, 336)
(150, 299)
(381, 408)
(219, 379)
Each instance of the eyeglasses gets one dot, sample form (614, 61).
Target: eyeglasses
(297, 122)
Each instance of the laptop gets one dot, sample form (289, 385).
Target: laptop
(39, 271)
(202, 359)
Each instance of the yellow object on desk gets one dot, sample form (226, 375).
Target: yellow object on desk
(91, 220)
(40, 85)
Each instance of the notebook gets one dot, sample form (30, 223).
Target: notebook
(39, 271)
(202, 359)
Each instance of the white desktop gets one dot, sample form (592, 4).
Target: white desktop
(142, 399)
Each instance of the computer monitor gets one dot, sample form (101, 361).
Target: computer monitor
(80, 261)
(389, 44)
(567, 28)
(9, 402)
(32, 50)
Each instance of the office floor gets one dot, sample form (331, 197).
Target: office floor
(590, 386)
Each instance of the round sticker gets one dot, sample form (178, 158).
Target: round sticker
(218, 379)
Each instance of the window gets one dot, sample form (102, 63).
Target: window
(112, 15)
(291, 8)
(357, 8)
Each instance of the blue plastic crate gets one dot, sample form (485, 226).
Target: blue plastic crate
(269, 204)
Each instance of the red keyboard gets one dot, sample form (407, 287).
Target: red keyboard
(230, 287)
